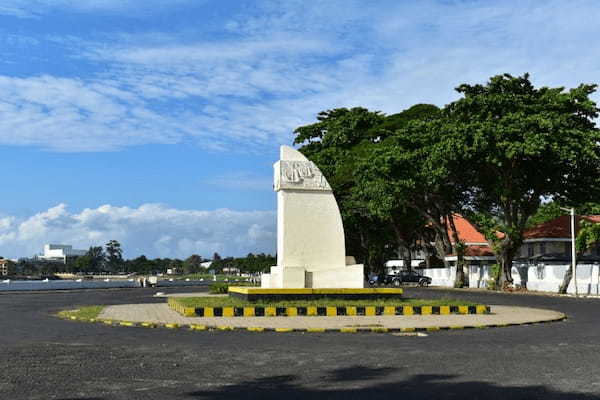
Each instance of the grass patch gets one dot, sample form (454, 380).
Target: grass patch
(87, 312)
(317, 302)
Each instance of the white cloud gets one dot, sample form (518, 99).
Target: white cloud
(151, 229)
(31, 8)
(274, 69)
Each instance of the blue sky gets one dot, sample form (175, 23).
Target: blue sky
(156, 122)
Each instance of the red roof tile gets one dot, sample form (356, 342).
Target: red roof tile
(558, 228)
(479, 251)
(467, 231)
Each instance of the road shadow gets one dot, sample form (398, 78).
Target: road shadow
(416, 387)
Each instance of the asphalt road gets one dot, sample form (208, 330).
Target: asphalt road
(43, 357)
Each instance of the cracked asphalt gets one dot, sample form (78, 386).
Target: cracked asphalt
(43, 357)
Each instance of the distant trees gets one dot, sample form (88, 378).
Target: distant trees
(114, 255)
(192, 264)
(250, 264)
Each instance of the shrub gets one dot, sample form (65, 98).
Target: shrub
(218, 288)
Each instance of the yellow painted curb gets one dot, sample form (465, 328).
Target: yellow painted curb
(255, 329)
(171, 326)
(126, 323)
(225, 328)
(291, 311)
(284, 329)
(433, 328)
(348, 330)
(379, 330)
(315, 329)
(444, 310)
(426, 310)
(270, 312)
(198, 327)
(249, 311)
(228, 311)
(407, 329)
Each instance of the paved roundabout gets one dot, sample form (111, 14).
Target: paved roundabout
(44, 357)
(155, 315)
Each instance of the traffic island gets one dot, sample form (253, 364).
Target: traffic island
(162, 316)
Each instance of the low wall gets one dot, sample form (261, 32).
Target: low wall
(546, 278)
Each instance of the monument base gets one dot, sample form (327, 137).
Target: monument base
(261, 294)
(349, 276)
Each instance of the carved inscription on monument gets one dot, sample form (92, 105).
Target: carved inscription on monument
(300, 175)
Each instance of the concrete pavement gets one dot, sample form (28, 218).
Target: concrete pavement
(499, 316)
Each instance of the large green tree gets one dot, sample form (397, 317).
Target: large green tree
(332, 143)
(525, 144)
(413, 176)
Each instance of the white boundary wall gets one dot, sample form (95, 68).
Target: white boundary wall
(545, 278)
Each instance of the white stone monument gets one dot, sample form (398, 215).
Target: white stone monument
(311, 251)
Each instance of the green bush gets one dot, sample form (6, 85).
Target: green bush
(218, 288)
(494, 274)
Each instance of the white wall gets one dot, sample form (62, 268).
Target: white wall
(545, 278)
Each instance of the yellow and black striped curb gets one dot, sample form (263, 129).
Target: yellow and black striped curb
(330, 311)
(360, 329)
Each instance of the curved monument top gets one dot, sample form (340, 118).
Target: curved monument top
(290, 154)
(295, 171)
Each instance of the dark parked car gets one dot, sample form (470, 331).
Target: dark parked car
(384, 280)
(414, 277)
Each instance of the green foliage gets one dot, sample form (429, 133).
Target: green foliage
(218, 288)
(587, 237)
(352, 147)
(521, 144)
(192, 264)
(252, 263)
(317, 302)
(546, 212)
(114, 256)
(492, 284)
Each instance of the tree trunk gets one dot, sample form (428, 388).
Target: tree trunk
(566, 280)
(505, 275)
(459, 280)
(407, 259)
(440, 249)
(459, 249)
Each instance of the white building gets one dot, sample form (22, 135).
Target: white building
(59, 252)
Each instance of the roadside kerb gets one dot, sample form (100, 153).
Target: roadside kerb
(375, 329)
(325, 311)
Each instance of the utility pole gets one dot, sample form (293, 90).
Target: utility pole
(573, 255)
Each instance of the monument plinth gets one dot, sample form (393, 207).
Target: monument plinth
(311, 250)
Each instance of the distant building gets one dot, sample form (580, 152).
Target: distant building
(4, 267)
(59, 253)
